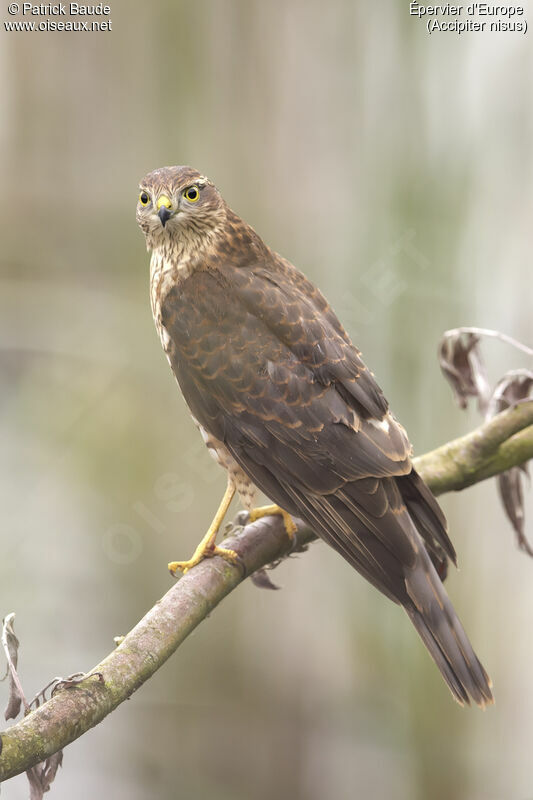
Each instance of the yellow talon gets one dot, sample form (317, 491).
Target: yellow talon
(207, 547)
(185, 566)
(267, 511)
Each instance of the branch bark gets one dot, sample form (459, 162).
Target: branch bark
(503, 442)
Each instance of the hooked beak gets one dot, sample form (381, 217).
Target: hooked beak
(163, 209)
(164, 214)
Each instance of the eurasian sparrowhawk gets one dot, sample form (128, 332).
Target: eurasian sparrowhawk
(285, 403)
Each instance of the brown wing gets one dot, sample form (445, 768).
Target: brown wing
(298, 315)
(267, 368)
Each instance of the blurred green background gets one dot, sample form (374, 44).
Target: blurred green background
(396, 170)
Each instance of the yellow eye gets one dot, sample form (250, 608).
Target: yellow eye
(144, 198)
(192, 194)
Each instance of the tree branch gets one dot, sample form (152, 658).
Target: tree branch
(503, 442)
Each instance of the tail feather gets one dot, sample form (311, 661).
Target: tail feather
(382, 528)
(434, 617)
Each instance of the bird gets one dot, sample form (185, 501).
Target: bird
(286, 405)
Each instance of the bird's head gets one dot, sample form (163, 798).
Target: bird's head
(177, 203)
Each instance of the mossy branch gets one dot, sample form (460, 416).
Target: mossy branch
(504, 442)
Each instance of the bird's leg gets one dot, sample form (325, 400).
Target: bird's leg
(267, 511)
(207, 547)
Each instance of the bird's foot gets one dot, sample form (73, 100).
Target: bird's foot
(267, 511)
(207, 547)
(201, 552)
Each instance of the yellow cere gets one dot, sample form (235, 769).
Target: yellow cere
(163, 201)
